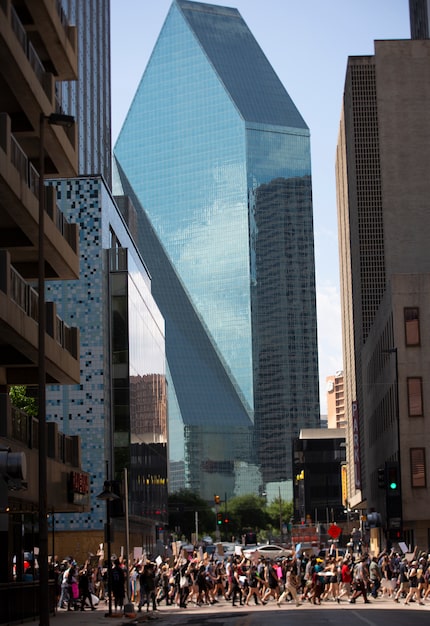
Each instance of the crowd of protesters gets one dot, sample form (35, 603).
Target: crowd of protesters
(199, 579)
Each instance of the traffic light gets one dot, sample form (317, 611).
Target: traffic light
(393, 483)
(217, 499)
(219, 517)
(393, 495)
(226, 520)
(381, 478)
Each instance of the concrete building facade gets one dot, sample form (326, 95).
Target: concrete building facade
(382, 191)
(38, 52)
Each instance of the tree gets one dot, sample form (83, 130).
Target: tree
(246, 513)
(20, 400)
(280, 512)
(183, 506)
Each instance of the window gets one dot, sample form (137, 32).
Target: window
(412, 326)
(415, 397)
(418, 467)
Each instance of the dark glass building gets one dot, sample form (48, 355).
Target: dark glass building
(419, 18)
(319, 455)
(89, 98)
(217, 157)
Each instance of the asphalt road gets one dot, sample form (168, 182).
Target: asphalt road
(379, 613)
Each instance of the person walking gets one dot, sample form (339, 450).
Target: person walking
(361, 579)
(292, 583)
(64, 595)
(403, 581)
(84, 587)
(147, 587)
(118, 581)
(375, 576)
(413, 585)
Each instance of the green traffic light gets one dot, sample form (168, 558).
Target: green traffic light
(393, 485)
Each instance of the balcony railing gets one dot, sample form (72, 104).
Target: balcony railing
(30, 176)
(44, 78)
(27, 298)
(18, 425)
(64, 21)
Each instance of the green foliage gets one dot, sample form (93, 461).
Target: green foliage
(183, 506)
(280, 511)
(246, 512)
(20, 400)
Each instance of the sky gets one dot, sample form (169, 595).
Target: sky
(307, 43)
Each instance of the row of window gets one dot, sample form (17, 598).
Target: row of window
(414, 384)
(415, 398)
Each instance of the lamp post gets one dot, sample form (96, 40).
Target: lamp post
(67, 121)
(108, 495)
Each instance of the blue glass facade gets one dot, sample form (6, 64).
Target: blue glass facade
(210, 126)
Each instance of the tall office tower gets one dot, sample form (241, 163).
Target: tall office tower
(419, 11)
(218, 156)
(89, 98)
(383, 189)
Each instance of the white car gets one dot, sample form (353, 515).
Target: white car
(268, 551)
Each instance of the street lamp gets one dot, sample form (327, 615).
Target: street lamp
(108, 495)
(65, 121)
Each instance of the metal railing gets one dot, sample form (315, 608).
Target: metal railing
(30, 176)
(43, 77)
(23, 294)
(27, 298)
(19, 158)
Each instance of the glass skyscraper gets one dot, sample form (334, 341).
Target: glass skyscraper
(89, 98)
(218, 157)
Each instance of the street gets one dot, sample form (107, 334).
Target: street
(380, 613)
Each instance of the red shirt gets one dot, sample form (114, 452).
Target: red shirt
(346, 573)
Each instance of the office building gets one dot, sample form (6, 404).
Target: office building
(318, 458)
(335, 401)
(419, 11)
(89, 98)
(217, 157)
(119, 409)
(383, 188)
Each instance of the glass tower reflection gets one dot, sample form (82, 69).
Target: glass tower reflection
(217, 155)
